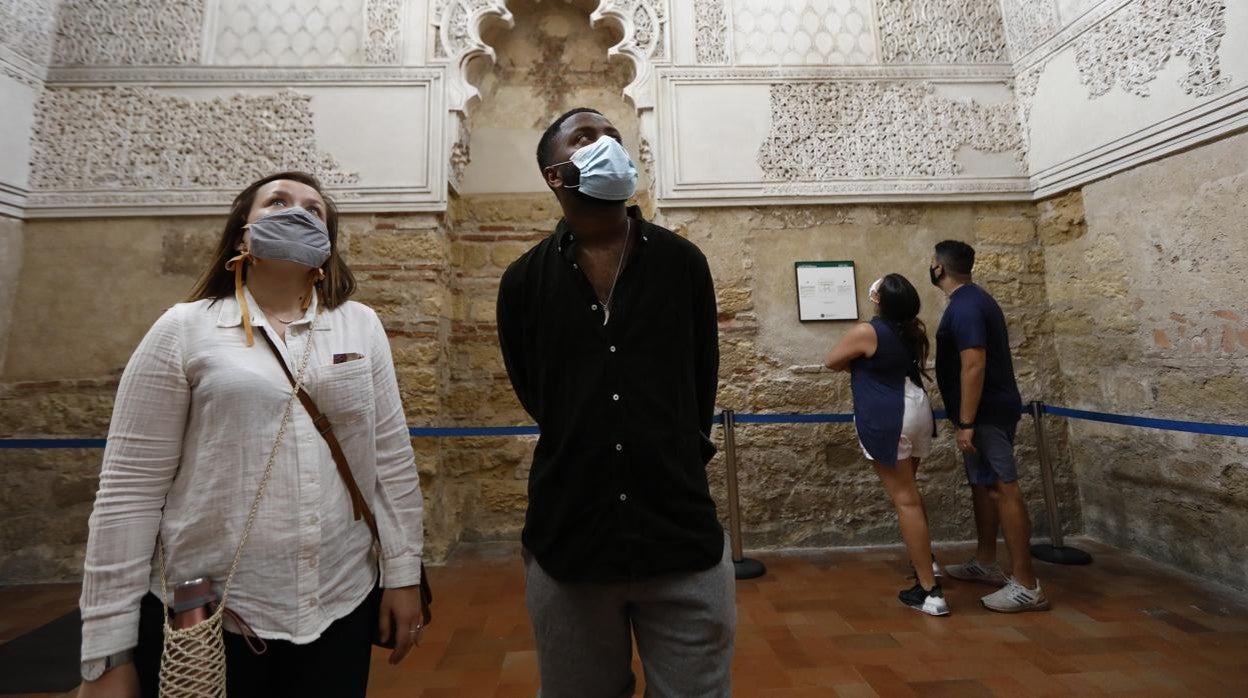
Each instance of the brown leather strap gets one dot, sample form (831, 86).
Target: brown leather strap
(359, 505)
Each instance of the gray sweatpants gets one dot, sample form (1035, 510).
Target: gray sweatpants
(685, 625)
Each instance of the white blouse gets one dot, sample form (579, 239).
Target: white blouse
(194, 421)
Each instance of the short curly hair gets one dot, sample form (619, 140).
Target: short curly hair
(545, 158)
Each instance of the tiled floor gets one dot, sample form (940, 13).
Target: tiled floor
(828, 624)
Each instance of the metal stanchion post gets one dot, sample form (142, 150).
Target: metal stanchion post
(745, 567)
(1057, 552)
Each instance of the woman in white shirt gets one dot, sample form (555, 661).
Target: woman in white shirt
(195, 419)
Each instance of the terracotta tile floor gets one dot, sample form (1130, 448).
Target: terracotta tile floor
(828, 624)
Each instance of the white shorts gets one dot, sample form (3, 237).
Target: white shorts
(916, 425)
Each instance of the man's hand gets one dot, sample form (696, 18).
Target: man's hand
(964, 438)
(400, 615)
(119, 682)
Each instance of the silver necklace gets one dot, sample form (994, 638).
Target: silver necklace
(268, 313)
(606, 305)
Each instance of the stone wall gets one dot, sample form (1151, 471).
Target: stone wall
(1151, 318)
(433, 280)
(10, 268)
(810, 485)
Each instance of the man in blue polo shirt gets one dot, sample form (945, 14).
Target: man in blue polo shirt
(976, 379)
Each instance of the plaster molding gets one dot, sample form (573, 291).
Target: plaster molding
(21, 72)
(896, 130)
(12, 200)
(804, 32)
(457, 28)
(1025, 87)
(383, 38)
(1028, 24)
(212, 75)
(1130, 47)
(646, 42)
(129, 32)
(137, 138)
(910, 162)
(1223, 115)
(28, 30)
(943, 73)
(940, 31)
(88, 159)
(710, 31)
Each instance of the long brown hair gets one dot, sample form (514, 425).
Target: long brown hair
(217, 282)
(899, 303)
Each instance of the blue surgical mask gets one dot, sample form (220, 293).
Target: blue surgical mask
(607, 172)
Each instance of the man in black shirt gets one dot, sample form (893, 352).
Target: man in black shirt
(609, 332)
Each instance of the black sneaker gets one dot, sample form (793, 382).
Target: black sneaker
(930, 602)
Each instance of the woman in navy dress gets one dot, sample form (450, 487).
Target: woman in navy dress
(893, 417)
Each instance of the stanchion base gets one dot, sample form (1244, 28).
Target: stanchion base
(749, 569)
(1060, 555)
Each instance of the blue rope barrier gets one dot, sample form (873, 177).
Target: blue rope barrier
(442, 432)
(1233, 430)
(51, 443)
(1211, 428)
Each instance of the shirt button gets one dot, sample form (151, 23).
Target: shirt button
(593, 307)
(619, 447)
(574, 266)
(623, 497)
(311, 603)
(612, 350)
(616, 397)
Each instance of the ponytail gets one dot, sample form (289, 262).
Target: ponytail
(914, 336)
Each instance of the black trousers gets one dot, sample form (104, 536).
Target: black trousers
(334, 665)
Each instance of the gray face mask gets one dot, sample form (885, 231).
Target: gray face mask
(292, 234)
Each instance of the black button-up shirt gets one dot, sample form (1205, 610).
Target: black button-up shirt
(618, 486)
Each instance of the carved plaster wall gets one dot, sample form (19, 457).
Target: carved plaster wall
(803, 32)
(1028, 24)
(289, 32)
(824, 131)
(382, 42)
(710, 31)
(28, 28)
(137, 138)
(941, 31)
(129, 32)
(1133, 45)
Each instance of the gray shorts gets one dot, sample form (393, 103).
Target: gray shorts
(994, 461)
(684, 625)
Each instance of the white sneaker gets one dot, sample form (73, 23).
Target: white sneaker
(976, 571)
(1016, 598)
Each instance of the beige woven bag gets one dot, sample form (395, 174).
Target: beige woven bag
(192, 664)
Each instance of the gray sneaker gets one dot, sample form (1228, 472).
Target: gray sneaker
(976, 571)
(1016, 598)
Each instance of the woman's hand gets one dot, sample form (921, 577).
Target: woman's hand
(401, 615)
(121, 682)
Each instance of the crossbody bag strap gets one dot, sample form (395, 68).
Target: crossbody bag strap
(359, 505)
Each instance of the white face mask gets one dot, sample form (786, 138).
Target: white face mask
(607, 172)
(873, 294)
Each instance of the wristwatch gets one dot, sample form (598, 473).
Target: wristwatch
(93, 669)
(960, 424)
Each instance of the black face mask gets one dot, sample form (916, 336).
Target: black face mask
(931, 272)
